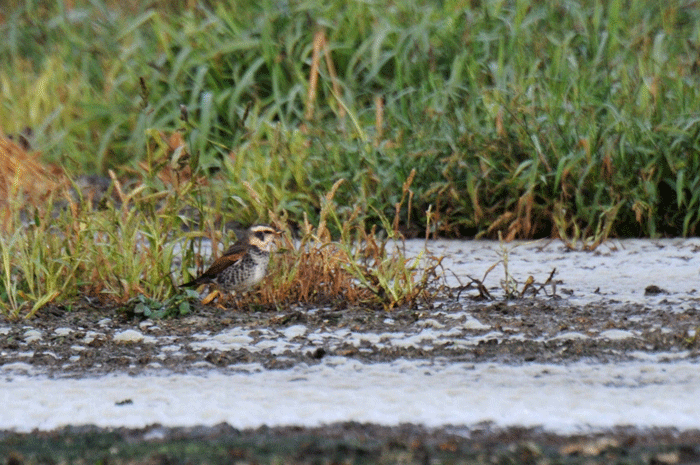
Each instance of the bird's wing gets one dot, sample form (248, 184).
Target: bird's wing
(236, 248)
(231, 256)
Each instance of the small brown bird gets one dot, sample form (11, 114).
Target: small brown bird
(244, 264)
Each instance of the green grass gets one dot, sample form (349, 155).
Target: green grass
(529, 118)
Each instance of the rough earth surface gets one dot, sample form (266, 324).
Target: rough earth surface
(83, 341)
(86, 341)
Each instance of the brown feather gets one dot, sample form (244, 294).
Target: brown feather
(223, 262)
(231, 256)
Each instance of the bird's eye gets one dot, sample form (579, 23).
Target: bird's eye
(260, 235)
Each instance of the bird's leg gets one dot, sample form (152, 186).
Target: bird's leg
(211, 296)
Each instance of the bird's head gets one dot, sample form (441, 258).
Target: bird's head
(262, 236)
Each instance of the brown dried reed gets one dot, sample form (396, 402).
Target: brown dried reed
(23, 179)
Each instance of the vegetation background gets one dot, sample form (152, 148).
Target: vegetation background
(528, 118)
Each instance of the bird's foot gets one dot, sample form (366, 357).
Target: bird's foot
(209, 298)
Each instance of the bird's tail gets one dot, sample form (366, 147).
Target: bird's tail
(193, 283)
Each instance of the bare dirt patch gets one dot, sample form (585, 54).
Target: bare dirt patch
(86, 341)
(347, 443)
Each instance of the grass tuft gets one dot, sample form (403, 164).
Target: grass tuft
(357, 269)
(536, 119)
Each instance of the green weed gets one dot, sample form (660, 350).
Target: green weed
(575, 120)
(535, 118)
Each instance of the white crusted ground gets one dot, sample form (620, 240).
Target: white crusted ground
(654, 390)
(566, 399)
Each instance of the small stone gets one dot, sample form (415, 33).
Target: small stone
(32, 335)
(129, 335)
(653, 289)
(62, 332)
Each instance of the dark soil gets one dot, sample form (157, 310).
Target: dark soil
(656, 329)
(539, 321)
(350, 443)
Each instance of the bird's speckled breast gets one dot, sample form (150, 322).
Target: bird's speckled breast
(245, 273)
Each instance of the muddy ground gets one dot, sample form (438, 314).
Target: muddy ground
(542, 326)
(347, 443)
(81, 341)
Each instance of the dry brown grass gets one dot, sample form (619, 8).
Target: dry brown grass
(314, 271)
(124, 247)
(25, 180)
(357, 270)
